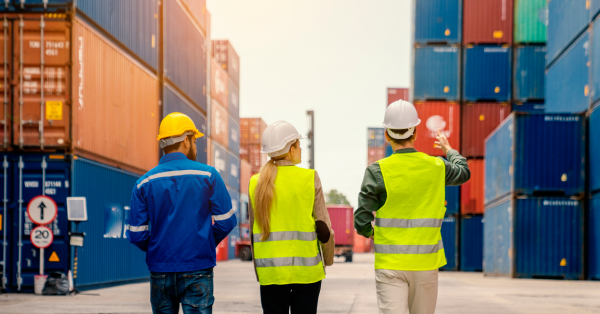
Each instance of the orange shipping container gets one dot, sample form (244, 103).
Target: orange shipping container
(219, 123)
(218, 82)
(245, 175)
(112, 115)
(472, 192)
(251, 130)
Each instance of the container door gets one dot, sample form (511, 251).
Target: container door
(6, 188)
(41, 119)
(5, 78)
(29, 181)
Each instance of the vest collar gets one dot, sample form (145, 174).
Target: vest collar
(172, 156)
(405, 150)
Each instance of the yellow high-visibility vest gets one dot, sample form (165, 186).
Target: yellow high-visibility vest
(291, 253)
(408, 226)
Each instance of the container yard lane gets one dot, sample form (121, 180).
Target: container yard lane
(348, 288)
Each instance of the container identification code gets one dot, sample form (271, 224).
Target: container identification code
(54, 110)
(562, 118)
(561, 203)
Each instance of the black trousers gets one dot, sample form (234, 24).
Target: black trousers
(301, 298)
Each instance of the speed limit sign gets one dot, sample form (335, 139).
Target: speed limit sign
(41, 237)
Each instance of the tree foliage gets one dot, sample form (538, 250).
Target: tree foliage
(334, 197)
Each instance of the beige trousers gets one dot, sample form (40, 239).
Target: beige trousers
(404, 292)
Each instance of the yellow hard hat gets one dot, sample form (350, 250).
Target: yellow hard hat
(176, 124)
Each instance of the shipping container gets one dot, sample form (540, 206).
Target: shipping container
(594, 150)
(232, 240)
(531, 18)
(245, 175)
(471, 243)
(174, 102)
(219, 160)
(395, 94)
(593, 225)
(235, 206)
(228, 59)
(528, 75)
(594, 9)
(219, 120)
(437, 73)
(223, 250)
(375, 137)
(437, 115)
(452, 201)
(100, 260)
(450, 239)
(529, 107)
(342, 223)
(595, 63)
(518, 159)
(573, 67)
(534, 237)
(438, 21)
(567, 19)
(251, 130)
(233, 171)
(388, 149)
(36, 5)
(487, 21)
(487, 73)
(234, 136)
(251, 154)
(133, 23)
(478, 121)
(184, 53)
(361, 244)
(233, 100)
(375, 154)
(198, 10)
(472, 192)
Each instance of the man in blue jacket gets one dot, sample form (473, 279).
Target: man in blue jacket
(173, 207)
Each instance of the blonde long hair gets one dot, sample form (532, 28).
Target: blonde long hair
(265, 193)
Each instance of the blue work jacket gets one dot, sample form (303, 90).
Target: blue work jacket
(171, 210)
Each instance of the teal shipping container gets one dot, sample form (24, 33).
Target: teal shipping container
(530, 18)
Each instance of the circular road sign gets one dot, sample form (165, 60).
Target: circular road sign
(41, 237)
(42, 210)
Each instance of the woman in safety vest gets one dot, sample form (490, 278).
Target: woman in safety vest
(289, 221)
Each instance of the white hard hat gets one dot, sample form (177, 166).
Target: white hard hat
(401, 115)
(278, 138)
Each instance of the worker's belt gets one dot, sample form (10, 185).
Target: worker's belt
(286, 236)
(409, 249)
(408, 223)
(288, 261)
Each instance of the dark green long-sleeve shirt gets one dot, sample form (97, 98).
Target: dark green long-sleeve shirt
(373, 195)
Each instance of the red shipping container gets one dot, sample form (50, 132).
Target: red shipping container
(222, 250)
(251, 130)
(251, 154)
(361, 244)
(219, 124)
(218, 82)
(374, 154)
(478, 121)
(472, 192)
(395, 94)
(436, 115)
(229, 60)
(487, 21)
(342, 223)
(245, 175)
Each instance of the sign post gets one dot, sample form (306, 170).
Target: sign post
(42, 210)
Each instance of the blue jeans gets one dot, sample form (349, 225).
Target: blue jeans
(194, 290)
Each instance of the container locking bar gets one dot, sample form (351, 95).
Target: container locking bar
(42, 26)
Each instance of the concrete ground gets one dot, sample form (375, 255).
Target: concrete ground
(349, 288)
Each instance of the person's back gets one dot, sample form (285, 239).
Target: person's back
(173, 207)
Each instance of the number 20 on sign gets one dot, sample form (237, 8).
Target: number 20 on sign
(41, 237)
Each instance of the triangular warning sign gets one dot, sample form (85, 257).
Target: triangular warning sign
(54, 257)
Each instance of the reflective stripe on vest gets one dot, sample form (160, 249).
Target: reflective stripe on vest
(407, 227)
(291, 252)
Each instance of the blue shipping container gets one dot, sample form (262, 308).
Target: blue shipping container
(571, 67)
(594, 238)
(233, 171)
(234, 236)
(450, 240)
(487, 73)
(529, 73)
(35, 5)
(452, 200)
(438, 21)
(437, 73)
(534, 154)
(234, 136)
(233, 99)
(594, 152)
(219, 160)
(375, 137)
(547, 241)
(529, 107)
(100, 261)
(566, 20)
(173, 102)
(184, 54)
(232, 239)
(134, 23)
(594, 8)
(595, 63)
(471, 243)
(388, 149)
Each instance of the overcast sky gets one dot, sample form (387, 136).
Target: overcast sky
(336, 57)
